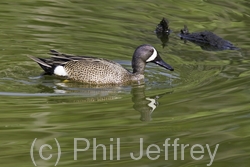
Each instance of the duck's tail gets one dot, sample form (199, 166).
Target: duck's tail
(44, 64)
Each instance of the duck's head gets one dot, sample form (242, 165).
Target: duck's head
(185, 30)
(145, 54)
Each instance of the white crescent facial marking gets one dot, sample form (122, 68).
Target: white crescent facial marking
(153, 56)
(60, 71)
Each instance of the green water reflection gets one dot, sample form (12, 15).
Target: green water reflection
(204, 101)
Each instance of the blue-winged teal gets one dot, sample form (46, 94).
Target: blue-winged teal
(100, 71)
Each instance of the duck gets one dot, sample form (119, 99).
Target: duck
(99, 71)
(163, 27)
(207, 40)
(162, 31)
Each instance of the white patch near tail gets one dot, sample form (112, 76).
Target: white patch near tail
(60, 71)
(153, 56)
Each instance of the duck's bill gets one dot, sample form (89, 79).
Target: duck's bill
(161, 63)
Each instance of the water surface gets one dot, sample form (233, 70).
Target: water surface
(204, 101)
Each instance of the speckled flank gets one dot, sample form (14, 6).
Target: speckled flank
(96, 71)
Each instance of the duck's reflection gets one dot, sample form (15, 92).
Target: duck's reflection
(87, 93)
(145, 105)
(164, 38)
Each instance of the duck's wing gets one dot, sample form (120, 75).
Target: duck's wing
(67, 57)
(57, 58)
(60, 59)
(63, 58)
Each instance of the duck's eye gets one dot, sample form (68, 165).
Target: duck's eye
(152, 51)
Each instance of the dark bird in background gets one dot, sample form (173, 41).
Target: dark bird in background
(162, 31)
(206, 40)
